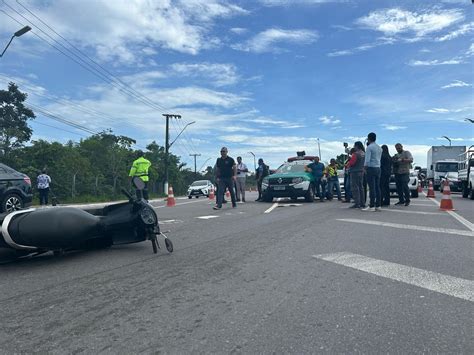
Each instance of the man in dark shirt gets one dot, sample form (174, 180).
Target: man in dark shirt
(226, 171)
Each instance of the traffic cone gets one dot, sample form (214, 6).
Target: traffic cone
(227, 193)
(170, 201)
(420, 190)
(446, 202)
(431, 190)
(211, 194)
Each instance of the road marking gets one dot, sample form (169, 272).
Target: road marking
(291, 205)
(410, 227)
(275, 205)
(413, 212)
(420, 204)
(207, 217)
(445, 284)
(454, 214)
(179, 204)
(171, 221)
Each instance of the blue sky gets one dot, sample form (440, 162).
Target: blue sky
(267, 76)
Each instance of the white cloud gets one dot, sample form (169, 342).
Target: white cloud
(187, 96)
(417, 63)
(267, 40)
(445, 110)
(238, 30)
(329, 120)
(118, 31)
(397, 21)
(456, 84)
(362, 48)
(269, 122)
(296, 2)
(354, 138)
(219, 74)
(470, 51)
(393, 127)
(464, 29)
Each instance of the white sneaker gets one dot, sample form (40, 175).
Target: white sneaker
(368, 209)
(378, 209)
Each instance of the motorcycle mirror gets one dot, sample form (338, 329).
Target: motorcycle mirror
(138, 183)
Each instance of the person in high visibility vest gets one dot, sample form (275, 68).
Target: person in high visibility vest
(140, 168)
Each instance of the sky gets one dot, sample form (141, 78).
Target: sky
(270, 77)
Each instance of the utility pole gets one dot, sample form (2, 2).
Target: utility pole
(167, 147)
(319, 148)
(195, 155)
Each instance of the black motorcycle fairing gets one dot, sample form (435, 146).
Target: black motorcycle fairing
(55, 228)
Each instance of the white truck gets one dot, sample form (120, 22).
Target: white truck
(466, 172)
(443, 161)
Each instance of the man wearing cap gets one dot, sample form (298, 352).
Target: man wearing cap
(226, 171)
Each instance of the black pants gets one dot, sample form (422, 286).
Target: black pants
(259, 188)
(43, 196)
(373, 179)
(385, 189)
(403, 190)
(223, 184)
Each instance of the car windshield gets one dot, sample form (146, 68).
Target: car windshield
(290, 168)
(199, 183)
(445, 167)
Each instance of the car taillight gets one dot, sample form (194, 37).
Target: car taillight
(27, 180)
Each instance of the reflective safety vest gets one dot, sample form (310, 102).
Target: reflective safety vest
(331, 171)
(140, 168)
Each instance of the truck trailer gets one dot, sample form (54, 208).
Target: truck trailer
(442, 161)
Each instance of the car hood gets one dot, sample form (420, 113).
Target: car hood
(198, 187)
(291, 175)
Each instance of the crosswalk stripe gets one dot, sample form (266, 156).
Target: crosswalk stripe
(445, 284)
(409, 226)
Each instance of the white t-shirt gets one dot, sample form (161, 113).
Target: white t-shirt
(241, 166)
(43, 181)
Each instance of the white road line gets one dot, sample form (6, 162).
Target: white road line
(410, 227)
(420, 204)
(179, 204)
(207, 217)
(413, 212)
(454, 214)
(275, 205)
(171, 221)
(445, 284)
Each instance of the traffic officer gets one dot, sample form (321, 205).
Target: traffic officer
(140, 168)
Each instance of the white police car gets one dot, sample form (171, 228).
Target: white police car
(200, 188)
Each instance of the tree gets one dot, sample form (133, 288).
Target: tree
(14, 116)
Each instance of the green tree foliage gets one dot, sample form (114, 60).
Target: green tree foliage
(14, 116)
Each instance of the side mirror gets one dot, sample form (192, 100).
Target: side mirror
(138, 183)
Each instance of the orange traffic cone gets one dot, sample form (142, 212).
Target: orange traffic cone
(446, 202)
(170, 201)
(227, 193)
(211, 194)
(431, 190)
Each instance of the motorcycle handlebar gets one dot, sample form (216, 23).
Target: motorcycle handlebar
(130, 197)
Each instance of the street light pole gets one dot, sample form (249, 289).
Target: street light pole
(447, 139)
(254, 162)
(195, 155)
(319, 148)
(167, 147)
(16, 34)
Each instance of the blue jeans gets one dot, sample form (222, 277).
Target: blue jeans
(347, 187)
(373, 180)
(334, 182)
(319, 188)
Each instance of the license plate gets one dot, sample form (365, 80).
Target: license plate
(278, 188)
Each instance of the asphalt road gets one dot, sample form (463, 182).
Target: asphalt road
(261, 278)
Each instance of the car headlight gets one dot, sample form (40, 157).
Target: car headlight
(148, 216)
(297, 180)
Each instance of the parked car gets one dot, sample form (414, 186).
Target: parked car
(200, 188)
(413, 184)
(15, 189)
(290, 180)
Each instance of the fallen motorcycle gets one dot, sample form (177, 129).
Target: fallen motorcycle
(60, 229)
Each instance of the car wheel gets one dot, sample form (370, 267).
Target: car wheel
(471, 194)
(12, 202)
(309, 196)
(197, 196)
(414, 193)
(190, 197)
(465, 191)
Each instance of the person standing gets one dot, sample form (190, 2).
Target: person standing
(241, 177)
(226, 171)
(373, 154)
(316, 168)
(333, 180)
(347, 178)
(356, 166)
(43, 187)
(401, 168)
(385, 173)
(140, 168)
(260, 173)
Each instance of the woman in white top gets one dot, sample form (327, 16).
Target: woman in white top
(43, 187)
